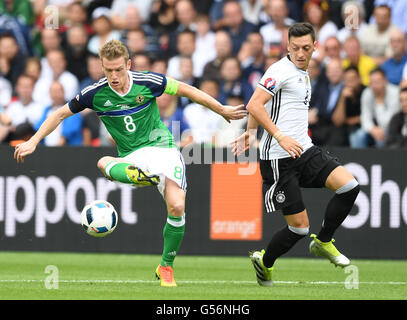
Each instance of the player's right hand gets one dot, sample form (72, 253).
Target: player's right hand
(24, 149)
(291, 146)
(243, 142)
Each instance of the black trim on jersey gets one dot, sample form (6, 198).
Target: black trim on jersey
(274, 113)
(269, 91)
(75, 106)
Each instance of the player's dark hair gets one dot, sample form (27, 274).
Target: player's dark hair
(301, 29)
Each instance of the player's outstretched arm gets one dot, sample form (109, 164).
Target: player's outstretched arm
(258, 111)
(198, 96)
(26, 148)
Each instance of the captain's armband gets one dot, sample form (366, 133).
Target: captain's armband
(172, 87)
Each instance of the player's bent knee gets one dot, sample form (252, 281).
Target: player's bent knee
(176, 208)
(302, 231)
(103, 162)
(351, 188)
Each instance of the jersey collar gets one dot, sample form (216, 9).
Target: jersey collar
(128, 90)
(289, 59)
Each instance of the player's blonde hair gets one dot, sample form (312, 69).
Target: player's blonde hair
(114, 49)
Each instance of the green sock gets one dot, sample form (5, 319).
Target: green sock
(173, 234)
(117, 171)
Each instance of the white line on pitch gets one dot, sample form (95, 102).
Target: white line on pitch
(208, 281)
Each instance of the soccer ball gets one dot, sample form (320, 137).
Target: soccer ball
(99, 218)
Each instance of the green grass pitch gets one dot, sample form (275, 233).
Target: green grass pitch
(24, 275)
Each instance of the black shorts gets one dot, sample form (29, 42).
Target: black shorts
(284, 178)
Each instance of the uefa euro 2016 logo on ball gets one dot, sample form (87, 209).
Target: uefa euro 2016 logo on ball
(99, 218)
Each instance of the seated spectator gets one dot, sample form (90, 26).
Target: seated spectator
(33, 68)
(174, 120)
(275, 32)
(393, 67)
(76, 15)
(185, 14)
(330, 50)
(251, 10)
(163, 20)
(20, 116)
(233, 84)
(50, 40)
(316, 12)
(352, 27)
(133, 22)
(204, 44)
(223, 47)
(12, 61)
(397, 131)
(141, 62)
(203, 122)
(136, 41)
(227, 132)
(253, 65)
(119, 8)
(70, 132)
(380, 101)
(95, 71)
(347, 111)
(186, 68)
(57, 62)
(323, 131)
(234, 24)
(375, 40)
(76, 51)
(185, 47)
(103, 28)
(355, 57)
(159, 65)
(22, 10)
(17, 18)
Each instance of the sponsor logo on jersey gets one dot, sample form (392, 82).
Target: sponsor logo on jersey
(139, 98)
(270, 83)
(123, 106)
(108, 103)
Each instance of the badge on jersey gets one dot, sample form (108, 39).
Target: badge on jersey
(139, 98)
(270, 84)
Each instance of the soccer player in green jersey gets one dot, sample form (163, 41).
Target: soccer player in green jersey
(125, 101)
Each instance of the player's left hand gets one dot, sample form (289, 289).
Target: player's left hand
(234, 112)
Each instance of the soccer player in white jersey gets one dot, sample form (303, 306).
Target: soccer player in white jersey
(288, 159)
(126, 103)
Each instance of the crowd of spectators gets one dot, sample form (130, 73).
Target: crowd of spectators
(49, 52)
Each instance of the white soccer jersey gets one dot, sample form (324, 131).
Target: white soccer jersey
(290, 88)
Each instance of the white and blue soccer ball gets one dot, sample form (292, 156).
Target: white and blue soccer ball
(99, 218)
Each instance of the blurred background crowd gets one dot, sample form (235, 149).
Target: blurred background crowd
(49, 52)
